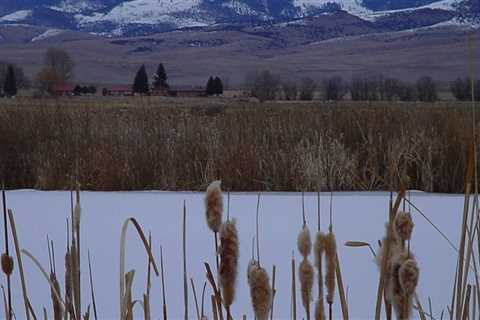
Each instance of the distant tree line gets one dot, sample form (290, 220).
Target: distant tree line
(462, 89)
(58, 69)
(266, 85)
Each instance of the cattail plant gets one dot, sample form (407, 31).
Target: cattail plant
(331, 259)
(214, 210)
(214, 216)
(7, 260)
(229, 253)
(319, 250)
(402, 272)
(260, 290)
(305, 270)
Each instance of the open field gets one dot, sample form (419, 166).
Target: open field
(190, 57)
(182, 144)
(356, 216)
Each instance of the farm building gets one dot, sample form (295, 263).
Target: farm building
(118, 90)
(63, 90)
(187, 92)
(161, 91)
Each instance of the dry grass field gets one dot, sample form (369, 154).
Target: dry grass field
(181, 144)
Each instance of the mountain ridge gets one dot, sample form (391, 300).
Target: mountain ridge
(137, 17)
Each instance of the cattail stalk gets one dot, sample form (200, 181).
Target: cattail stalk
(164, 301)
(123, 236)
(195, 298)
(19, 262)
(215, 289)
(386, 253)
(203, 300)
(274, 291)
(185, 285)
(214, 308)
(7, 261)
(92, 291)
(294, 291)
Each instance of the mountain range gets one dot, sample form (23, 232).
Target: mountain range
(141, 17)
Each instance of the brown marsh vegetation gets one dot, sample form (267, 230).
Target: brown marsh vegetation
(137, 144)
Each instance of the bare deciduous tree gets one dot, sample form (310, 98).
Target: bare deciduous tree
(290, 90)
(307, 89)
(59, 61)
(265, 86)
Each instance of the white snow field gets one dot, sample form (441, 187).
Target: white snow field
(356, 216)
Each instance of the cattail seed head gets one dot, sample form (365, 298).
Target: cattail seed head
(260, 290)
(229, 253)
(214, 205)
(306, 274)
(331, 256)
(7, 264)
(402, 279)
(408, 276)
(404, 226)
(319, 248)
(304, 242)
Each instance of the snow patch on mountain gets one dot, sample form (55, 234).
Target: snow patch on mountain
(16, 16)
(354, 7)
(178, 12)
(48, 34)
(240, 8)
(448, 5)
(75, 6)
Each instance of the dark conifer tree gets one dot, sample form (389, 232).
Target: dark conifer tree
(140, 84)
(210, 90)
(160, 77)
(218, 85)
(10, 85)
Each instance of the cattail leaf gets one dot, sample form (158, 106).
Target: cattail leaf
(356, 244)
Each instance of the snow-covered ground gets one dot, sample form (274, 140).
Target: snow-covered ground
(356, 216)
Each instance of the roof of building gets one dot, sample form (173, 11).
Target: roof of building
(187, 88)
(120, 87)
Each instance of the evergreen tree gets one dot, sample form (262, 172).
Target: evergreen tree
(210, 90)
(160, 77)
(140, 84)
(10, 85)
(218, 86)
